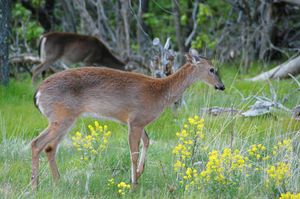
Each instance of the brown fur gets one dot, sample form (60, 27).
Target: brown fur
(129, 98)
(74, 48)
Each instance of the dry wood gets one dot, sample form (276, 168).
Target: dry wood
(24, 59)
(282, 71)
(22, 63)
(216, 111)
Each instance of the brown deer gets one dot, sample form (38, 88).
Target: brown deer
(129, 98)
(74, 48)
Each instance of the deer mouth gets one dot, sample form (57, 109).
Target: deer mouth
(220, 87)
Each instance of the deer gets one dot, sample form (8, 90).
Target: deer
(126, 97)
(73, 48)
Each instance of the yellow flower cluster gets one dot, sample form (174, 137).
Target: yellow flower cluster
(290, 195)
(278, 173)
(123, 188)
(258, 152)
(213, 167)
(225, 169)
(183, 150)
(178, 165)
(284, 146)
(190, 177)
(93, 143)
(187, 137)
(221, 165)
(196, 124)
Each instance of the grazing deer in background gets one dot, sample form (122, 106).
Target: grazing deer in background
(73, 48)
(129, 98)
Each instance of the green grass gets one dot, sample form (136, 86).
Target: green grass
(20, 122)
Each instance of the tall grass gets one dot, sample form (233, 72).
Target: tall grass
(20, 122)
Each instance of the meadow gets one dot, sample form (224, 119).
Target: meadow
(188, 157)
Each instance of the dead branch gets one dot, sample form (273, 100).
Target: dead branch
(282, 71)
(195, 24)
(264, 105)
(296, 2)
(216, 111)
(24, 59)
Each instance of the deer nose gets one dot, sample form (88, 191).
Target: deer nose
(220, 87)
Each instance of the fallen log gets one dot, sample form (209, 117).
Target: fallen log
(291, 67)
(22, 63)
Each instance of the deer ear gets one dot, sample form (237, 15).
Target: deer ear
(189, 58)
(193, 52)
(194, 55)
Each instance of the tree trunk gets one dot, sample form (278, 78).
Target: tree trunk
(141, 26)
(124, 13)
(70, 16)
(282, 71)
(176, 17)
(4, 35)
(267, 29)
(88, 22)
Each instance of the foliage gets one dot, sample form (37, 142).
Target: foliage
(25, 31)
(204, 39)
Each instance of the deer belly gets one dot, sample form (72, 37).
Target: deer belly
(117, 117)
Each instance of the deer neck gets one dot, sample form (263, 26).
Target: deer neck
(177, 83)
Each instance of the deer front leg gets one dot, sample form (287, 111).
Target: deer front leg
(145, 140)
(135, 134)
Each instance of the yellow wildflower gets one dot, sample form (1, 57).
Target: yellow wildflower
(278, 173)
(290, 195)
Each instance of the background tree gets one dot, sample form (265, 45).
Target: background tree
(232, 30)
(4, 37)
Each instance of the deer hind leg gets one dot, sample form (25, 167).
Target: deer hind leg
(51, 150)
(39, 69)
(35, 157)
(49, 139)
(135, 134)
(145, 140)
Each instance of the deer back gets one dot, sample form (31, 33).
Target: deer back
(74, 48)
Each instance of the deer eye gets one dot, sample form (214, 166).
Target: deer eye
(212, 70)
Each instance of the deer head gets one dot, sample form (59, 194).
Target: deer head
(205, 70)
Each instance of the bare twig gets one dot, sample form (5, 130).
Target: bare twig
(195, 25)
